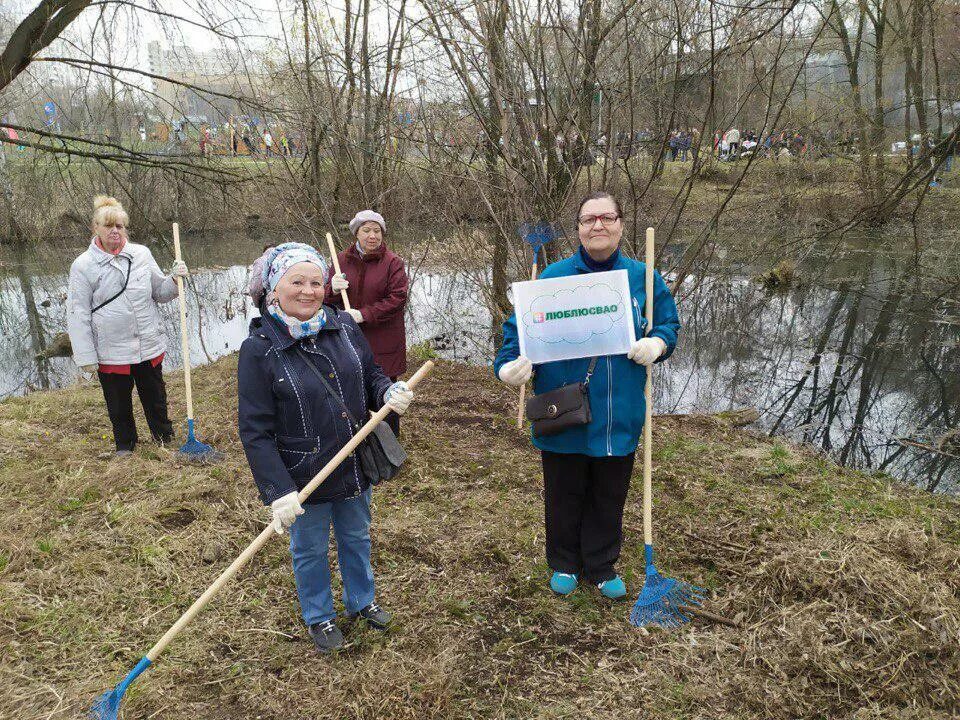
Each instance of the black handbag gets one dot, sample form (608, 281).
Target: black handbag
(380, 454)
(564, 407)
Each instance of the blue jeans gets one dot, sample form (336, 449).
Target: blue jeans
(310, 544)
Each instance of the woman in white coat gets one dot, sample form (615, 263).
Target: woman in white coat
(114, 323)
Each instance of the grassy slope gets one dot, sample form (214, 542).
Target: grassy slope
(847, 587)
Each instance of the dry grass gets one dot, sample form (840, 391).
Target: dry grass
(846, 586)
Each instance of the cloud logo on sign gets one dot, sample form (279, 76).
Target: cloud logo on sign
(574, 316)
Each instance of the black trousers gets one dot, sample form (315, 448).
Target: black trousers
(118, 392)
(584, 498)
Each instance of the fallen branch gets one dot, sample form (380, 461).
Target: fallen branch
(720, 619)
(723, 544)
(733, 418)
(928, 448)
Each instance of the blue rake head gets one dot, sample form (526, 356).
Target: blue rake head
(663, 600)
(107, 706)
(197, 451)
(538, 234)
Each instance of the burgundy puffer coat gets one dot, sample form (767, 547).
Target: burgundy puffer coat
(378, 289)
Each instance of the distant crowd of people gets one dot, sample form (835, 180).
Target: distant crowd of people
(682, 144)
(237, 138)
(257, 141)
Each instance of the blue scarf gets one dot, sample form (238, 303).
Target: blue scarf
(298, 329)
(599, 265)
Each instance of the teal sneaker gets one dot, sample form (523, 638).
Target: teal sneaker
(613, 589)
(563, 583)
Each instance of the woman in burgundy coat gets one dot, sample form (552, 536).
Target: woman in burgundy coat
(377, 286)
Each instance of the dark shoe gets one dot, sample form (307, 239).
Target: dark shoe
(326, 636)
(165, 440)
(376, 616)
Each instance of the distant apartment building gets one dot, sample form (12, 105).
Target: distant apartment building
(185, 75)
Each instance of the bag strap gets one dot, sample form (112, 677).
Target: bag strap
(125, 281)
(336, 395)
(593, 364)
(590, 367)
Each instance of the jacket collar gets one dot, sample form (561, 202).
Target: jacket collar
(580, 266)
(267, 326)
(102, 257)
(371, 256)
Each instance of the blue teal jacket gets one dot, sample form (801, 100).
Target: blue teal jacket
(616, 388)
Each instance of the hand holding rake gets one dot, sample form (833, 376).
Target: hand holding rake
(107, 706)
(336, 267)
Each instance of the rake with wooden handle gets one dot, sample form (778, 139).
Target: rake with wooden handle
(663, 601)
(523, 388)
(192, 449)
(536, 235)
(107, 706)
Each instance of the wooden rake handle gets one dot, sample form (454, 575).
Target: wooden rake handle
(268, 531)
(184, 333)
(648, 398)
(523, 388)
(336, 267)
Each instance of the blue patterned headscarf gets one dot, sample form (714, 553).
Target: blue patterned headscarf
(283, 257)
(275, 265)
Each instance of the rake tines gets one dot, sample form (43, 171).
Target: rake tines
(107, 705)
(663, 601)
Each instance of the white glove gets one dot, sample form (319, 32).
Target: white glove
(90, 368)
(179, 269)
(646, 350)
(398, 396)
(516, 372)
(339, 282)
(285, 510)
(355, 314)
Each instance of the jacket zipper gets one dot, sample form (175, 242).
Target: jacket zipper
(609, 406)
(641, 321)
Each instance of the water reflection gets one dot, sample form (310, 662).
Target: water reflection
(217, 314)
(864, 363)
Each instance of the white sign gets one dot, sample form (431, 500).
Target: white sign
(575, 316)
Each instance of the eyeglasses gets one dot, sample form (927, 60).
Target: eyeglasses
(607, 219)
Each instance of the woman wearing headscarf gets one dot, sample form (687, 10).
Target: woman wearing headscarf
(291, 426)
(114, 323)
(587, 468)
(376, 283)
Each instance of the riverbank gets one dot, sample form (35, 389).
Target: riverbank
(846, 586)
(793, 198)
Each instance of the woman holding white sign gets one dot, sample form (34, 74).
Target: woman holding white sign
(588, 452)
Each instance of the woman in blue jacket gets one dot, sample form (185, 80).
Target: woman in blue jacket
(291, 426)
(587, 468)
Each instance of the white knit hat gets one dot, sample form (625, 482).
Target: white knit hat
(367, 216)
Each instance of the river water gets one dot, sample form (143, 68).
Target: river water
(860, 358)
